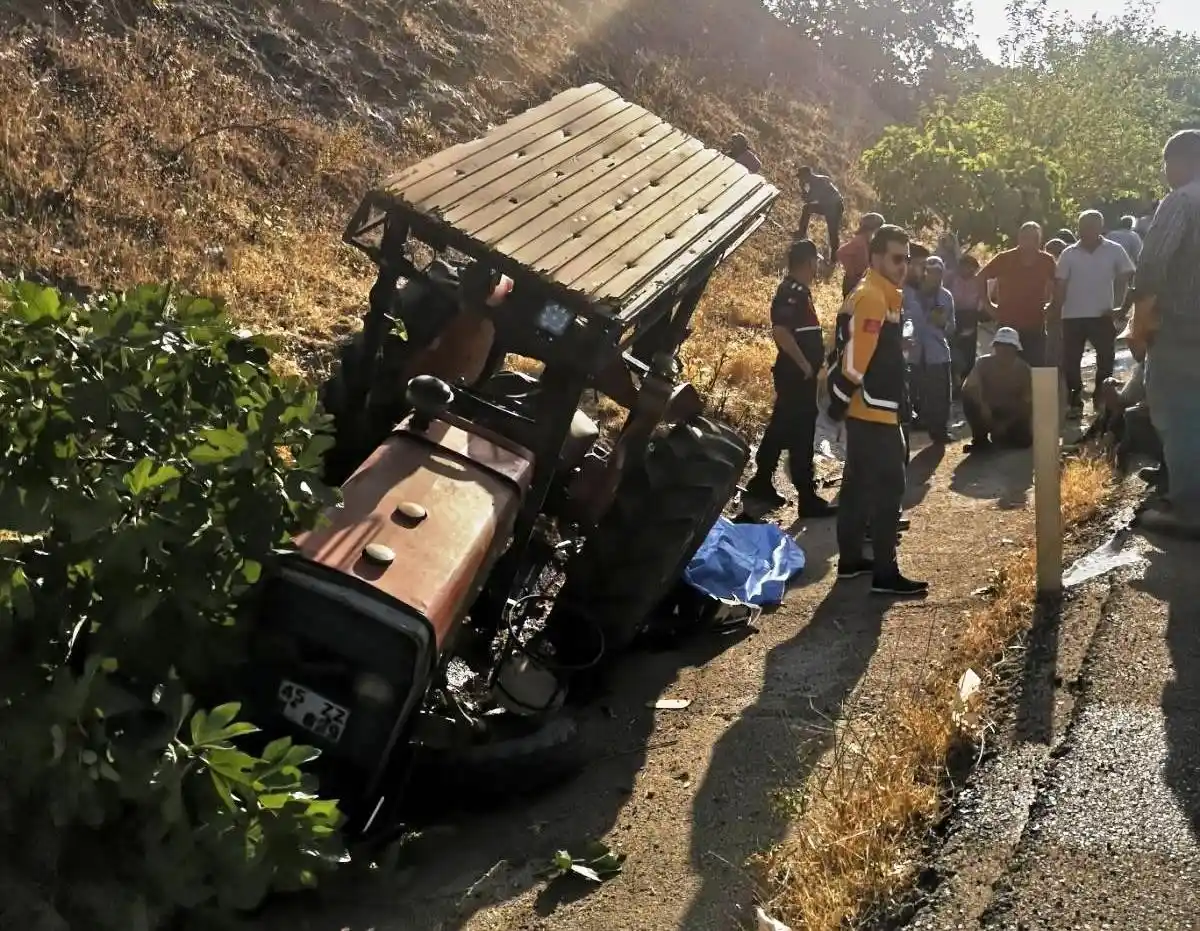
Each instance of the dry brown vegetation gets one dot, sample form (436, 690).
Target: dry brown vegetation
(860, 821)
(130, 152)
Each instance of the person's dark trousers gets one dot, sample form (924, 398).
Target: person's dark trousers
(964, 352)
(1033, 345)
(1017, 435)
(873, 484)
(833, 224)
(981, 428)
(1138, 436)
(935, 398)
(791, 429)
(914, 407)
(1077, 332)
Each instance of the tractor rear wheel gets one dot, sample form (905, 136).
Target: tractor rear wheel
(663, 510)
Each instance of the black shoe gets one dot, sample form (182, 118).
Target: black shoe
(766, 496)
(898, 586)
(816, 508)
(978, 446)
(854, 569)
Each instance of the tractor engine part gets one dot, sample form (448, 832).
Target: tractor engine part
(348, 642)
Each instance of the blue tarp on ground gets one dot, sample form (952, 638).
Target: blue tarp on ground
(748, 563)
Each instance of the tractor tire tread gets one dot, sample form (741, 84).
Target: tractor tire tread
(661, 514)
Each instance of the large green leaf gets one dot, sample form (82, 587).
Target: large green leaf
(218, 446)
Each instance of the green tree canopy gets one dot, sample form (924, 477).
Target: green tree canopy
(955, 174)
(1076, 117)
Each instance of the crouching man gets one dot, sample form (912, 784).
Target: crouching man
(1124, 425)
(1124, 421)
(998, 396)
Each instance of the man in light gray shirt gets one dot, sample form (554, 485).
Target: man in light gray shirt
(1169, 275)
(1127, 237)
(1091, 280)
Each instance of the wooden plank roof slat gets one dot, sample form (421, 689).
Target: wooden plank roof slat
(511, 151)
(517, 124)
(673, 233)
(533, 177)
(664, 242)
(699, 181)
(575, 190)
(669, 261)
(599, 197)
(531, 182)
(578, 208)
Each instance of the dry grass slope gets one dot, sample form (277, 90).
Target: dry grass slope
(129, 151)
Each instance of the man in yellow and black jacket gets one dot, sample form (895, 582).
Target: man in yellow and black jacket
(867, 386)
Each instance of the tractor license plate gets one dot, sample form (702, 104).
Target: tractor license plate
(312, 712)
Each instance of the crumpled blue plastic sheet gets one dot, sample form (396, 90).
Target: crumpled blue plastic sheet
(745, 563)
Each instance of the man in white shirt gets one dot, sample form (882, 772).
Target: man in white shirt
(1091, 281)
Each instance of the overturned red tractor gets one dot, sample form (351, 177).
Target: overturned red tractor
(492, 551)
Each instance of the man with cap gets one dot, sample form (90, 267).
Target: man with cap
(854, 256)
(740, 152)
(821, 197)
(998, 396)
(793, 424)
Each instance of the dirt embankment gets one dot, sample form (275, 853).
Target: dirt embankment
(224, 142)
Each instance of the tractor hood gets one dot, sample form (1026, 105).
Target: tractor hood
(424, 519)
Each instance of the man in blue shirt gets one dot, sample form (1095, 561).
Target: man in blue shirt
(930, 307)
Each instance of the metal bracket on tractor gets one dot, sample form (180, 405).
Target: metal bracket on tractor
(493, 550)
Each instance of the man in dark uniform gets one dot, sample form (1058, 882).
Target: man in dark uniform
(821, 197)
(793, 423)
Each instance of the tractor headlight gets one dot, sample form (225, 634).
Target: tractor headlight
(374, 689)
(554, 319)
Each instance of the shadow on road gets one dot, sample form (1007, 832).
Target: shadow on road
(773, 744)
(1004, 476)
(1039, 677)
(921, 469)
(1171, 579)
(470, 860)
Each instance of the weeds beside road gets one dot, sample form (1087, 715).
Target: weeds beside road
(862, 819)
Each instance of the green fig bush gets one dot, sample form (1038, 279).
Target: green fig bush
(151, 462)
